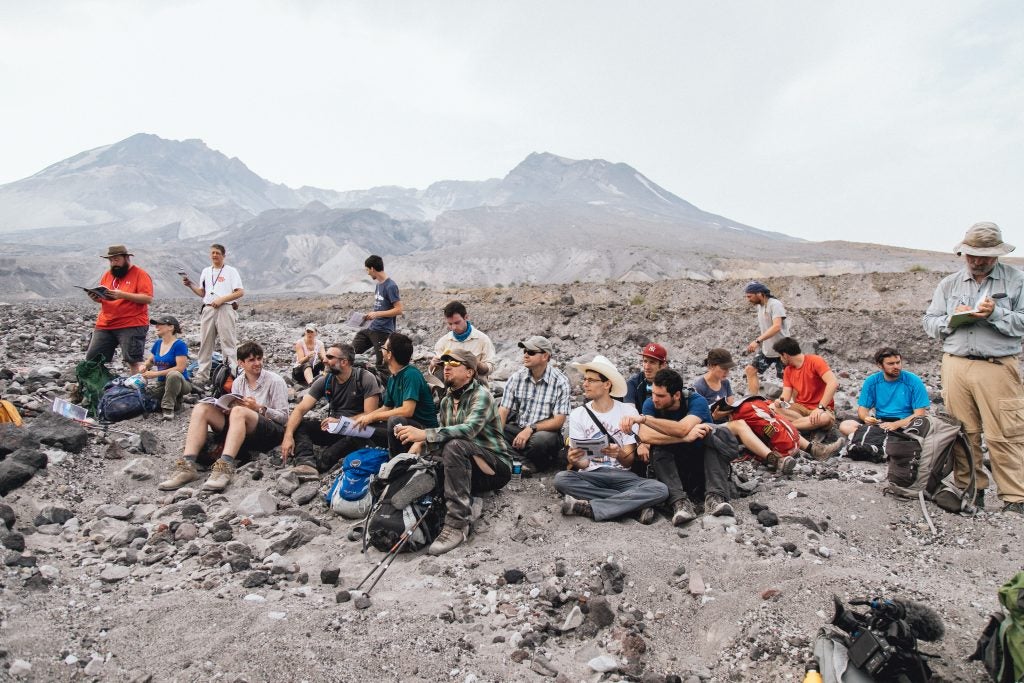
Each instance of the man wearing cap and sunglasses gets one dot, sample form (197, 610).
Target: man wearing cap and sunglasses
(468, 444)
(978, 315)
(535, 404)
(773, 325)
(124, 311)
(653, 357)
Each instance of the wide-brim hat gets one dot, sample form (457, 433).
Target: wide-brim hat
(983, 239)
(604, 367)
(116, 250)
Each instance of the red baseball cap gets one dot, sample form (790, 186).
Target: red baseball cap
(655, 351)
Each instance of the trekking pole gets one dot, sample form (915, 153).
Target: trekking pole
(390, 556)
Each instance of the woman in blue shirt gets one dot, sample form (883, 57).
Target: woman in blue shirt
(166, 364)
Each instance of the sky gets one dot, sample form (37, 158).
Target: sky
(896, 123)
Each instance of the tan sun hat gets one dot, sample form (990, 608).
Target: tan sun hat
(983, 239)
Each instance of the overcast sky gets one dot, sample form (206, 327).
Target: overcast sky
(891, 122)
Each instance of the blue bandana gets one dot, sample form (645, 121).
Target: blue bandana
(465, 335)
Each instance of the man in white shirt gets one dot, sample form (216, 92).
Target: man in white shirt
(219, 287)
(462, 334)
(601, 486)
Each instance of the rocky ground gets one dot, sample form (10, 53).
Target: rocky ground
(106, 578)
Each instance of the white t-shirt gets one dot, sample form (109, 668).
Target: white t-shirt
(581, 426)
(219, 282)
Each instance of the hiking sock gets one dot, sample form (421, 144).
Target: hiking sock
(229, 459)
(190, 458)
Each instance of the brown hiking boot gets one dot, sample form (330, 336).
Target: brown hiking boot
(823, 451)
(683, 512)
(184, 472)
(717, 506)
(645, 516)
(449, 539)
(771, 461)
(220, 477)
(574, 506)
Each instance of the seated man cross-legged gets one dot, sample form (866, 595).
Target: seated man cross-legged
(808, 388)
(896, 396)
(256, 423)
(602, 486)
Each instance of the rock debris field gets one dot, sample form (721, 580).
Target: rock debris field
(106, 578)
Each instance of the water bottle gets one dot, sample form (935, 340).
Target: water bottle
(812, 674)
(136, 382)
(515, 483)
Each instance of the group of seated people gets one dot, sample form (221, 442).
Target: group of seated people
(633, 445)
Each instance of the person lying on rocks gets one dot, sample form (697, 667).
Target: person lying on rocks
(407, 398)
(895, 395)
(653, 357)
(254, 423)
(310, 357)
(462, 334)
(599, 483)
(468, 444)
(534, 406)
(166, 364)
(808, 388)
(769, 436)
(349, 391)
(674, 423)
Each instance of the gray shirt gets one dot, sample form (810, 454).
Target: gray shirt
(999, 334)
(270, 391)
(767, 313)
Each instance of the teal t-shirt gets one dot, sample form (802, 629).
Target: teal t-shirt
(408, 385)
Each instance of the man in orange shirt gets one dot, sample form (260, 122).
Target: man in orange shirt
(808, 388)
(124, 310)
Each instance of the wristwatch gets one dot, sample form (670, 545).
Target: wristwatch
(263, 410)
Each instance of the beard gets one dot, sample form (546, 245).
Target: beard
(334, 370)
(119, 271)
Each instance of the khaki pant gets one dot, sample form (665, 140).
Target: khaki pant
(988, 397)
(216, 323)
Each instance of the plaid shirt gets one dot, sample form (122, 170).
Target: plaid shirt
(529, 402)
(475, 419)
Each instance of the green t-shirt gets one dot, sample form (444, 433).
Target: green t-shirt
(409, 385)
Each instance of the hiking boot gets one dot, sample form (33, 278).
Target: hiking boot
(823, 451)
(450, 538)
(716, 506)
(788, 465)
(574, 506)
(305, 471)
(184, 472)
(168, 413)
(645, 516)
(771, 461)
(1017, 507)
(221, 476)
(683, 512)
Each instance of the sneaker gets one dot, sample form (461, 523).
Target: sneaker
(823, 451)
(574, 506)
(221, 476)
(683, 512)
(168, 413)
(646, 516)
(450, 538)
(788, 465)
(184, 472)
(305, 471)
(771, 461)
(1017, 507)
(716, 506)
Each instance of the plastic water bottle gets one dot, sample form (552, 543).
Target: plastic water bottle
(136, 382)
(515, 483)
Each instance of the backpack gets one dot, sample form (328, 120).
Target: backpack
(771, 428)
(349, 493)
(221, 379)
(408, 501)
(1001, 646)
(93, 377)
(927, 472)
(874, 444)
(8, 413)
(120, 402)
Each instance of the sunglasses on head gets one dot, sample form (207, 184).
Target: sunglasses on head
(453, 363)
(528, 352)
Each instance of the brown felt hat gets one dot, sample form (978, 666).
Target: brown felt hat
(116, 250)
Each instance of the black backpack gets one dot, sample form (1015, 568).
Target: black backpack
(408, 500)
(121, 402)
(221, 379)
(874, 444)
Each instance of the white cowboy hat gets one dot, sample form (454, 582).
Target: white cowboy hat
(604, 367)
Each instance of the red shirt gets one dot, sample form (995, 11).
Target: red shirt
(807, 381)
(121, 313)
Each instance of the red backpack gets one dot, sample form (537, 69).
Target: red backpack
(775, 430)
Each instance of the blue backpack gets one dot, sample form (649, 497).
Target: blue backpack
(349, 493)
(120, 402)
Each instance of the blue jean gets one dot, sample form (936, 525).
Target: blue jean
(612, 493)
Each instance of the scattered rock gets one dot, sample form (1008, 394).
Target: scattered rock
(361, 601)
(601, 614)
(767, 518)
(139, 469)
(513, 576)
(113, 573)
(342, 596)
(573, 620)
(329, 575)
(257, 504)
(306, 492)
(113, 511)
(603, 664)
(7, 515)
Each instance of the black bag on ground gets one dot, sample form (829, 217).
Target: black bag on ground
(120, 402)
(874, 444)
(408, 495)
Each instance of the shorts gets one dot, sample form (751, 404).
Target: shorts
(761, 363)
(265, 437)
(132, 341)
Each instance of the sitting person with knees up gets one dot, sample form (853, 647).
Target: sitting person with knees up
(808, 388)
(310, 357)
(468, 444)
(600, 484)
(255, 422)
(166, 364)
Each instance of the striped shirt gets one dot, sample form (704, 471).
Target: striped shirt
(474, 419)
(528, 401)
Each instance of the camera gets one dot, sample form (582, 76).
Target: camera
(880, 641)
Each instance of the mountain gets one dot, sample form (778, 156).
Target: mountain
(548, 220)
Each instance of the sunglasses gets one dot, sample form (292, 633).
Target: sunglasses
(528, 352)
(331, 357)
(453, 363)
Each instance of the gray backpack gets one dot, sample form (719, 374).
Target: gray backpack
(926, 473)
